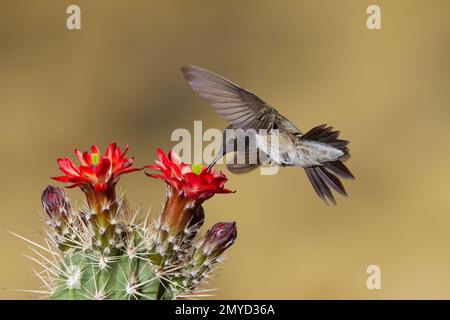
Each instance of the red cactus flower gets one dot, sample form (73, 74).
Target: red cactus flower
(193, 182)
(96, 170)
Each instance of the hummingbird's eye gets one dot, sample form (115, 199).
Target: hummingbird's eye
(286, 157)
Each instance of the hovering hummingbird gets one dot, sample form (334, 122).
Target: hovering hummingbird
(318, 151)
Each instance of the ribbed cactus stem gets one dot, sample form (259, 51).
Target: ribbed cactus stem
(103, 209)
(180, 222)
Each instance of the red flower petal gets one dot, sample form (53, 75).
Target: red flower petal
(67, 166)
(88, 158)
(161, 155)
(153, 167)
(103, 169)
(110, 151)
(124, 152)
(94, 149)
(126, 170)
(99, 175)
(74, 185)
(61, 178)
(156, 176)
(81, 158)
(180, 176)
(175, 158)
(88, 172)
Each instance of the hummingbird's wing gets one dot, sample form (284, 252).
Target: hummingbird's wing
(235, 167)
(241, 108)
(246, 158)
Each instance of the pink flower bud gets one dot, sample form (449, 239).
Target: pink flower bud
(55, 202)
(220, 237)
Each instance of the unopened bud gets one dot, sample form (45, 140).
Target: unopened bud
(55, 202)
(220, 237)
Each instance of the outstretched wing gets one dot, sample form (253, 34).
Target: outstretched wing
(241, 108)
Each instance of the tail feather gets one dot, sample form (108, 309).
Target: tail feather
(322, 180)
(326, 176)
(331, 180)
(326, 135)
(317, 185)
(339, 168)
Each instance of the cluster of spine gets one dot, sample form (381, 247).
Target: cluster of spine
(106, 251)
(175, 242)
(98, 252)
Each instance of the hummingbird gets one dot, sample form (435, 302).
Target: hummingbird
(319, 151)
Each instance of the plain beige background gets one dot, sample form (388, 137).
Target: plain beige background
(118, 79)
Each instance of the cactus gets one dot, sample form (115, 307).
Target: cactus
(104, 250)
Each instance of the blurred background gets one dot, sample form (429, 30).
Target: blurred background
(118, 79)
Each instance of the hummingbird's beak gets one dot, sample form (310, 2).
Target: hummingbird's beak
(211, 165)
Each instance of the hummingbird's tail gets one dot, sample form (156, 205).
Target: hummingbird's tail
(322, 178)
(327, 174)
